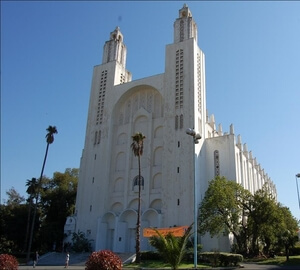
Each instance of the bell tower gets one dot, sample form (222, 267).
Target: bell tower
(115, 49)
(184, 26)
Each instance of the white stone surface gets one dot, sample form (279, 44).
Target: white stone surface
(162, 107)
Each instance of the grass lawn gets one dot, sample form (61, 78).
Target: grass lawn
(279, 260)
(161, 265)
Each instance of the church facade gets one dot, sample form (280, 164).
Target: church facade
(173, 167)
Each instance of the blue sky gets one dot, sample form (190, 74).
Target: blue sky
(48, 50)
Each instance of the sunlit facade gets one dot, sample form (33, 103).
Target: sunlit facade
(162, 107)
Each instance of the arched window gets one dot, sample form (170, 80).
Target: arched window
(136, 182)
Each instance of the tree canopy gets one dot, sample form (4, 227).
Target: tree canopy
(57, 202)
(256, 220)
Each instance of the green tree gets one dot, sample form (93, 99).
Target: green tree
(51, 130)
(171, 248)
(222, 208)
(137, 147)
(80, 243)
(57, 203)
(263, 220)
(287, 235)
(14, 197)
(12, 223)
(31, 191)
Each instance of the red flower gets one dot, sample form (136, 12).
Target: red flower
(8, 262)
(103, 260)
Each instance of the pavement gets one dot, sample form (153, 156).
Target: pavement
(56, 261)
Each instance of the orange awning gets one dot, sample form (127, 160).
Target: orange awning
(176, 231)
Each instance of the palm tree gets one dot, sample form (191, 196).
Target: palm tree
(49, 139)
(171, 248)
(31, 190)
(137, 147)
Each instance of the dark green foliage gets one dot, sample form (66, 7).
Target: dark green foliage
(58, 201)
(103, 260)
(296, 249)
(189, 254)
(80, 242)
(13, 220)
(222, 208)
(258, 223)
(8, 262)
(150, 256)
(171, 248)
(221, 258)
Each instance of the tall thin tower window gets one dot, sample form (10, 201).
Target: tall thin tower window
(199, 83)
(179, 79)
(217, 162)
(101, 97)
(181, 30)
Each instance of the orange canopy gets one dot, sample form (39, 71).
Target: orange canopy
(176, 231)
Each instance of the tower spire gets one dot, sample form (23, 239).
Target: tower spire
(184, 26)
(114, 48)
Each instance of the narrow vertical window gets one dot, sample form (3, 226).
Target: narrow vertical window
(217, 162)
(181, 121)
(95, 139)
(181, 30)
(99, 137)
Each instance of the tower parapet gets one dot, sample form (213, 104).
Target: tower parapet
(184, 26)
(115, 49)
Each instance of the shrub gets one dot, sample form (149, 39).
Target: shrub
(222, 258)
(296, 249)
(80, 242)
(189, 255)
(103, 260)
(150, 256)
(8, 262)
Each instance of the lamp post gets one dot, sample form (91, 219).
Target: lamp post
(298, 176)
(196, 137)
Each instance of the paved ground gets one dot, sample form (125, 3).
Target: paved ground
(247, 267)
(56, 261)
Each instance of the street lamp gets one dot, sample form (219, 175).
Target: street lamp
(196, 137)
(298, 176)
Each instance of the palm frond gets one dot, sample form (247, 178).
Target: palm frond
(171, 248)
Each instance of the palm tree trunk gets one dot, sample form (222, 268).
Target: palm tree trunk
(28, 224)
(35, 206)
(138, 224)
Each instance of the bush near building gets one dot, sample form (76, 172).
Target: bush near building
(221, 258)
(103, 260)
(8, 262)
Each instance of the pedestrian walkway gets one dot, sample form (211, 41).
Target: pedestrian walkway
(56, 260)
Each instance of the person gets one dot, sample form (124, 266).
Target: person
(35, 259)
(67, 260)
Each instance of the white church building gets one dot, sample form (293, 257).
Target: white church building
(162, 107)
